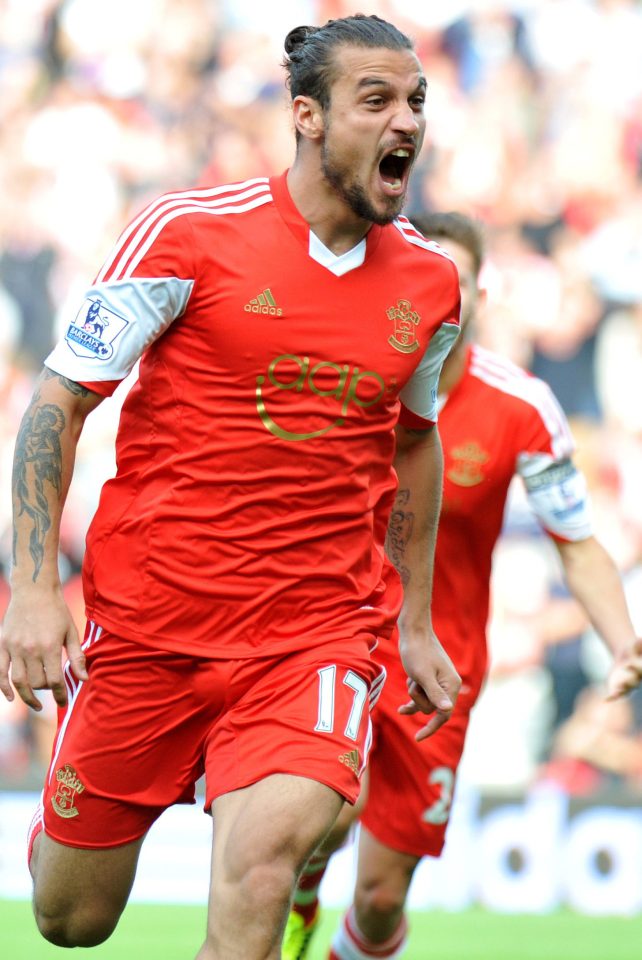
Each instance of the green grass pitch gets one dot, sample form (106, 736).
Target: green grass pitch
(175, 933)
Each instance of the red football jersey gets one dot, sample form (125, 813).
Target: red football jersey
(497, 422)
(254, 453)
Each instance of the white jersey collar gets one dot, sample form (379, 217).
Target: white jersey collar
(338, 265)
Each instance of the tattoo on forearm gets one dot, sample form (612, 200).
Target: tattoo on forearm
(399, 533)
(76, 388)
(38, 459)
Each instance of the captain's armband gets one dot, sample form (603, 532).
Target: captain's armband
(559, 498)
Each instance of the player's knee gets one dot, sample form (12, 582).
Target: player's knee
(380, 901)
(74, 925)
(269, 885)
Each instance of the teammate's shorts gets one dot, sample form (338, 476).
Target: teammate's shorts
(411, 784)
(136, 736)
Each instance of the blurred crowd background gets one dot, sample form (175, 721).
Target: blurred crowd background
(534, 127)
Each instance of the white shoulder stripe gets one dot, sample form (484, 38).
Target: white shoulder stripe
(500, 365)
(74, 688)
(510, 379)
(210, 209)
(409, 233)
(153, 210)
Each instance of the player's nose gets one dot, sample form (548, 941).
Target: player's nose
(405, 120)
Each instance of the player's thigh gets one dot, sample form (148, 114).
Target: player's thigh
(276, 823)
(95, 883)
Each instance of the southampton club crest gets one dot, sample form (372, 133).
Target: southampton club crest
(405, 320)
(467, 464)
(94, 330)
(69, 786)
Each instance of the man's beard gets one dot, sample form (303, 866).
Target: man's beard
(354, 194)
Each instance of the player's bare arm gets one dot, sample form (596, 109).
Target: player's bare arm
(433, 683)
(586, 564)
(38, 624)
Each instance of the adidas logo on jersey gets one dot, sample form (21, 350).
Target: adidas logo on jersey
(351, 760)
(264, 303)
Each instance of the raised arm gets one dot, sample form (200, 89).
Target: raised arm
(433, 681)
(38, 623)
(594, 581)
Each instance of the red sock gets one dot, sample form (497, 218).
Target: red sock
(307, 911)
(306, 895)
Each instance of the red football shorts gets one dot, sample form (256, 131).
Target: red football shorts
(411, 784)
(137, 736)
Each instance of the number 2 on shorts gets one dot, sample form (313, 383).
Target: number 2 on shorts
(439, 812)
(327, 686)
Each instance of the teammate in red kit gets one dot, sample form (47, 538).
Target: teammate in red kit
(495, 420)
(235, 576)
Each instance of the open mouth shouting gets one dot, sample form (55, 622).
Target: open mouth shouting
(394, 170)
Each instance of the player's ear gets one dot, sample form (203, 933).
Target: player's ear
(308, 117)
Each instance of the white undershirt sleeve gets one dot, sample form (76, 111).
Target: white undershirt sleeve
(419, 395)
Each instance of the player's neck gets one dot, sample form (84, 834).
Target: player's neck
(328, 216)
